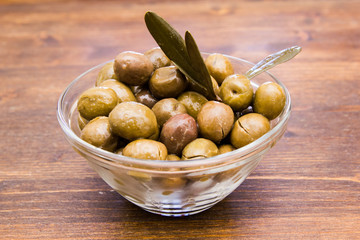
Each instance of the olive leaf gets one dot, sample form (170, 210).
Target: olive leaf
(272, 61)
(185, 54)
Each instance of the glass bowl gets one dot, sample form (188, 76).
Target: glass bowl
(171, 188)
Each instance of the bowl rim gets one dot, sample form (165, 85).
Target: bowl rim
(227, 158)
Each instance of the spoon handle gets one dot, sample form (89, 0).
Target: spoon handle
(272, 60)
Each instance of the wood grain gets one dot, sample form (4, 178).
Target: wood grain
(307, 187)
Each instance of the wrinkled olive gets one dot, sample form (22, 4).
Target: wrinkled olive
(133, 68)
(167, 82)
(122, 91)
(97, 132)
(248, 128)
(97, 101)
(105, 73)
(193, 102)
(237, 92)
(219, 66)
(145, 149)
(215, 120)
(145, 97)
(166, 108)
(133, 120)
(199, 148)
(157, 57)
(269, 100)
(177, 132)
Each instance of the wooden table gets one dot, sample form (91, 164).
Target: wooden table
(307, 187)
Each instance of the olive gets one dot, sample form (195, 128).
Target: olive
(226, 148)
(219, 66)
(97, 101)
(269, 100)
(97, 132)
(122, 91)
(248, 128)
(145, 149)
(82, 122)
(199, 148)
(177, 132)
(192, 101)
(133, 68)
(237, 92)
(166, 108)
(172, 157)
(215, 120)
(106, 72)
(158, 58)
(167, 82)
(133, 120)
(145, 97)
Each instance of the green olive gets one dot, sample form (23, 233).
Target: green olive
(97, 132)
(145, 149)
(172, 157)
(219, 66)
(133, 68)
(226, 148)
(166, 108)
(193, 102)
(133, 120)
(82, 122)
(248, 128)
(157, 57)
(269, 100)
(237, 92)
(167, 82)
(106, 72)
(215, 86)
(199, 148)
(215, 120)
(123, 92)
(97, 101)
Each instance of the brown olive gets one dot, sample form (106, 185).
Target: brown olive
(219, 66)
(158, 58)
(167, 82)
(248, 128)
(145, 97)
(237, 92)
(133, 68)
(133, 120)
(146, 149)
(106, 72)
(269, 100)
(97, 101)
(166, 108)
(122, 91)
(199, 148)
(177, 132)
(193, 102)
(215, 120)
(97, 132)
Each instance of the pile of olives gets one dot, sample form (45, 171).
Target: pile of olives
(143, 107)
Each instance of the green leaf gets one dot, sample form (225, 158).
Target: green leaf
(173, 45)
(272, 61)
(203, 76)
